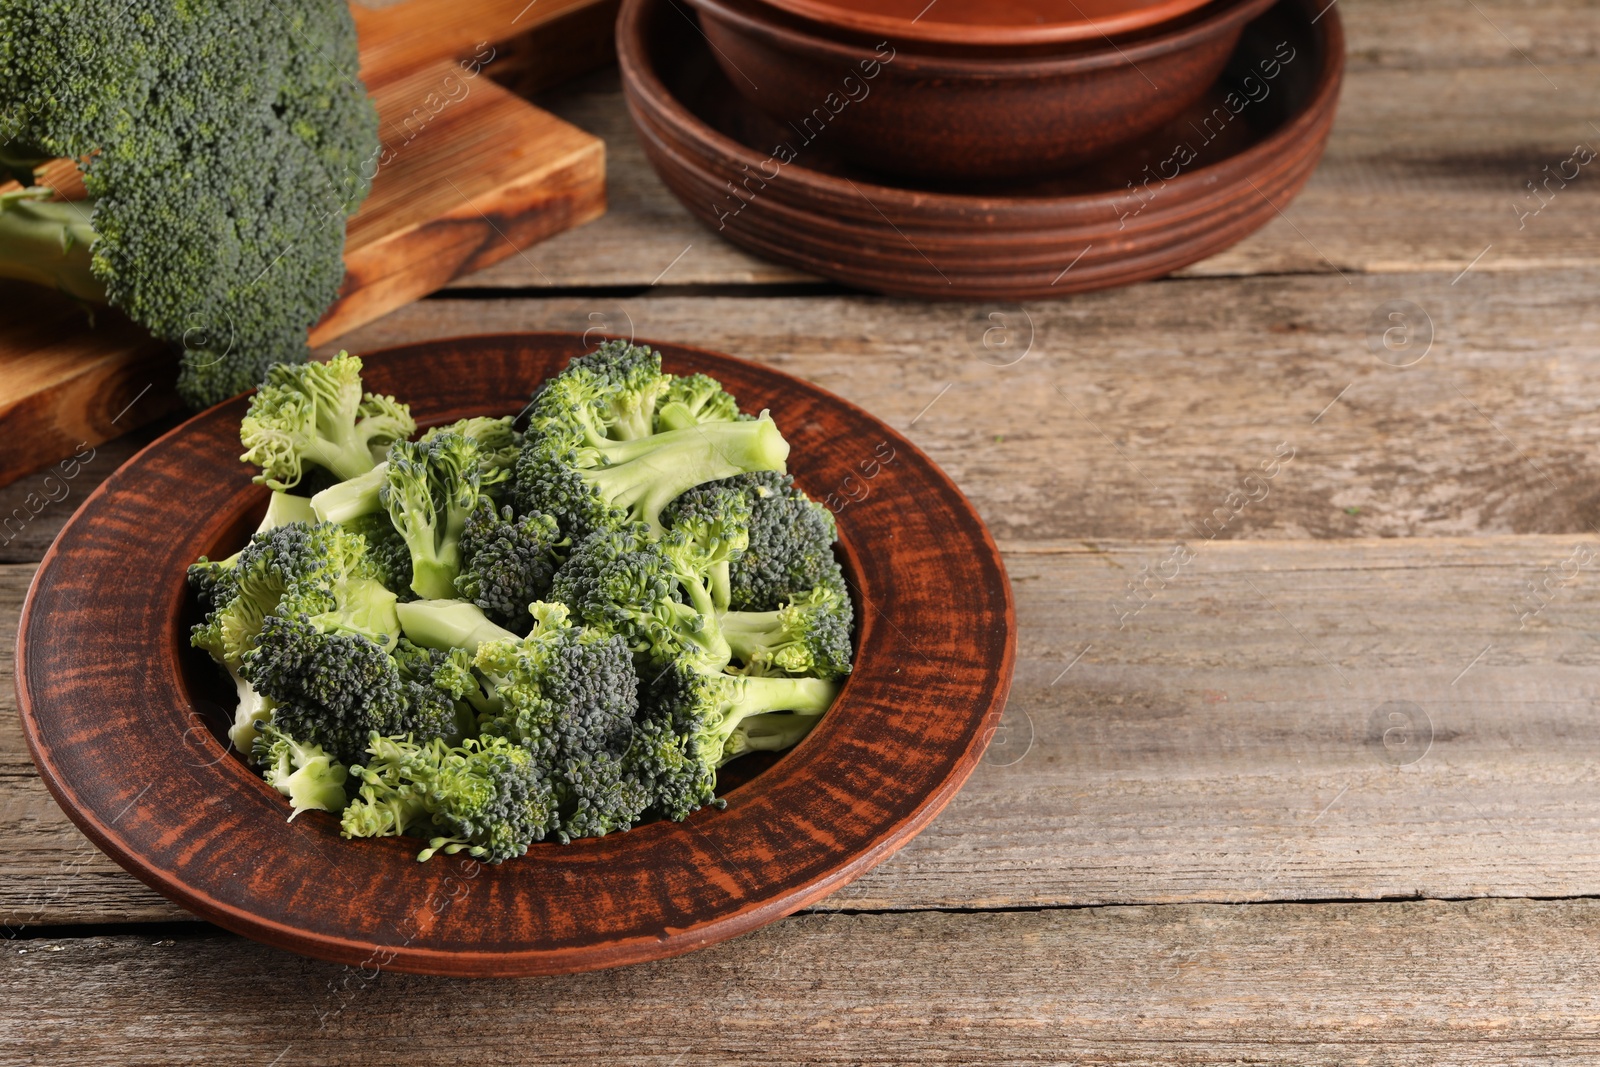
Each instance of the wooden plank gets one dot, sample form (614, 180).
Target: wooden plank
(1135, 411)
(1228, 743)
(1177, 391)
(1502, 983)
(1426, 167)
(399, 38)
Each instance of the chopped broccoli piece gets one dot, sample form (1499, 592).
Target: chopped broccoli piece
(353, 498)
(507, 563)
(316, 413)
(558, 475)
(498, 446)
(429, 490)
(387, 549)
(308, 776)
(222, 146)
(808, 635)
(569, 697)
(608, 394)
(483, 796)
(791, 539)
(693, 400)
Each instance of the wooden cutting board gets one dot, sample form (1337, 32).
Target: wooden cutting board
(473, 174)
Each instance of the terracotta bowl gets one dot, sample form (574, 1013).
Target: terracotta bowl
(1135, 216)
(900, 108)
(968, 23)
(119, 714)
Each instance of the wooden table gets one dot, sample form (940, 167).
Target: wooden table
(1319, 786)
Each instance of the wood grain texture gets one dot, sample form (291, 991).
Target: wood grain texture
(397, 39)
(1219, 746)
(1426, 166)
(1405, 984)
(1132, 418)
(141, 771)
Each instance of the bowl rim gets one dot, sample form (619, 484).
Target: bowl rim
(51, 708)
(648, 95)
(1141, 16)
(1202, 24)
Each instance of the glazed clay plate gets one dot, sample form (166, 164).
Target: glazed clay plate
(122, 719)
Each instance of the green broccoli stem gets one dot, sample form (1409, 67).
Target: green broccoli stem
(757, 696)
(772, 732)
(449, 624)
(750, 633)
(679, 460)
(352, 498)
(47, 243)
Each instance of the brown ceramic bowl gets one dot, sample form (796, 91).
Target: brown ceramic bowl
(967, 23)
(1092, 227)
(118, 711)
(900, 109)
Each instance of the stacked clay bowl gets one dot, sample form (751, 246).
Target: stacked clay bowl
(973, 97)
(1221, 168)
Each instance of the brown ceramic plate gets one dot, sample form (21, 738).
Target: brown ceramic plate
(119, 711)
(1206, 180)
(987, 22)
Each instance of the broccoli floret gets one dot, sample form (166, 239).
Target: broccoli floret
(388, 551)
(655, 595)
(484, 796)
(316, 413)
(498, 447)
(586, 491)
(693, 400)
(808, 635)
(429, 490)
(706, 709)
(212, 580)
(609, 394)
(308, 776)
(447, 624)
(790, 551)
(507, 563)
(222, 145)
(569, 697)
(442, 695)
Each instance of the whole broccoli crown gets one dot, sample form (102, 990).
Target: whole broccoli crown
(331, 689)
(316, 413)
(507, 563)
(224, 143)
(387, 551)
(484, 796)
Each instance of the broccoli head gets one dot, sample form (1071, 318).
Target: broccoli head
(483, 796)
(569, 697)
(507, 563)
(609, 394)
(809, 635)
(692, 400)
(316, 413)
(222, 145)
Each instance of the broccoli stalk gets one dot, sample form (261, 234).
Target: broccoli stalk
(352, 498)
(47, 243)
(308, 776)
(447, 624)
(772, 732)
(430, 488)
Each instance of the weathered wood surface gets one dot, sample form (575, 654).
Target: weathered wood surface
(1484, 982)
(1210, 738)
(1441, 124)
